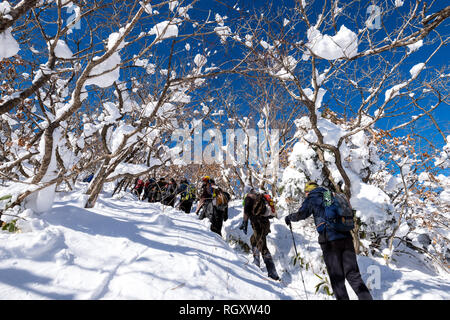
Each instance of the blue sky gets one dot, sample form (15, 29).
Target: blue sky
(229, 8)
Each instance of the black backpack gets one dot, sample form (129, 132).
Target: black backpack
(338, 212)
(259, 206)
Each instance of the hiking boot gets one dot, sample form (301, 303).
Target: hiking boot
(272, 272)
(274, 276)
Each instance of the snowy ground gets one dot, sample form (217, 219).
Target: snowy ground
(127, 249)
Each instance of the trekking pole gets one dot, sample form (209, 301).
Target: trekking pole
(296, 254)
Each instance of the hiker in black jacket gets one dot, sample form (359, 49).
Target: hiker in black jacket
(337, 247)
(187, 195)
(160, 189)
(171, 193)
(259, 212)
(213, 204)
(205, 205)
(149, 185)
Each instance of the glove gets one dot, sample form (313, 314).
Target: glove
(288, 221)
(244, 226)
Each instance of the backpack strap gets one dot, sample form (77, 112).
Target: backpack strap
(327, 197)
(321, 225)
(243, 199)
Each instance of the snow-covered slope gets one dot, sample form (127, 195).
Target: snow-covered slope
(407, 277)
(127, 249)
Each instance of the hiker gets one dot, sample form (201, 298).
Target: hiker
(187, 195)
(149, 190)
(220, 212)
(337, 246)
(259, 208)
(138, 187)
(153, 191)
(170, 193)
(205, 196)
(222, 198)
(207, 205)
(159, 189)
(89, 178)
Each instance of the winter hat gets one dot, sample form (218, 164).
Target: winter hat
(310, 186)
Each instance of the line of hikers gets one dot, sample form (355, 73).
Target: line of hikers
(166, 191)
(212, 200)
(332, 212)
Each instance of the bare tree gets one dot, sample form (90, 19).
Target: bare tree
(353, 80)
(76, 115)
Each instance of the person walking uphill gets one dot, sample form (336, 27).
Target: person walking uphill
(205, 198)
(213, 204)
(138, 187)
(170, 193)
(160, 189)
(259, 209)
(337, 246)
(187, 195)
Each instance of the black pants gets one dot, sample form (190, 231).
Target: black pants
(208, 210)
(261, 228)
(340, 259)
(186, 206)
(216, 221)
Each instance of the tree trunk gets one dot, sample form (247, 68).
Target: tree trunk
(119, 186)
(96, 185)
(47, 157)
